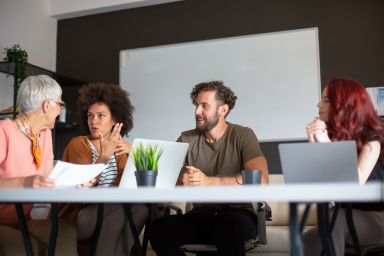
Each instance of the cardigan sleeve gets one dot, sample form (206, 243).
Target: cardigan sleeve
(78, 151)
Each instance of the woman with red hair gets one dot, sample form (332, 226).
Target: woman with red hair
(347, 113)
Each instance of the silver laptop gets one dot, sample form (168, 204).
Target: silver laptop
(319, 162)
(170, 163)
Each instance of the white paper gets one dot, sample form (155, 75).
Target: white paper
(68, 174)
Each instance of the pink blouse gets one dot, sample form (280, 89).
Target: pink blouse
(16, 160)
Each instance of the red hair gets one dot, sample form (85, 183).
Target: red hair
(352, 115)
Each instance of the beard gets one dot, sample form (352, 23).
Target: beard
(207, 125)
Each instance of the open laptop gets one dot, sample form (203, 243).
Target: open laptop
(319, 162)
(170, 163)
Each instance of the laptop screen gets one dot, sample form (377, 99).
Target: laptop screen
(319, 162)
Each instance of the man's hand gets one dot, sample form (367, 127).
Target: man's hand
(194, 177)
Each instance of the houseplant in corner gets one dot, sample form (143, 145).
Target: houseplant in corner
(146, 161)
(19, 57)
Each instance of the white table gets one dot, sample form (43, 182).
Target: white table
(316, 192)
(292, 193)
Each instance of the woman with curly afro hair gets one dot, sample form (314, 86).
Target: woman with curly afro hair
(105, 117)
(347, 113)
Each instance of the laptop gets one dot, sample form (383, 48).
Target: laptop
(170, 164)
(319, 162)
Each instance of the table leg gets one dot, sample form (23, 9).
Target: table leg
(134, 230)
(147, 229)
(325, 232)
(54, 229)
(24, 229)
(294, 230)
(96, 232)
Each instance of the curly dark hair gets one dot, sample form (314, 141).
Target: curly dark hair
(223, 93)
(114, 97)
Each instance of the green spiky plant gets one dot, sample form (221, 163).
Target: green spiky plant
(147, 158)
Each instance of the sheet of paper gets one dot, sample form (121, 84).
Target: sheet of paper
(68, 174)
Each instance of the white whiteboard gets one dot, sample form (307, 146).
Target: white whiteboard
(276, 77)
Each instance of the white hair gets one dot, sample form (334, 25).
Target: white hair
(34, 90)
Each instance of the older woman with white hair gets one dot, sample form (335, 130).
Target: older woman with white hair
(26, 159)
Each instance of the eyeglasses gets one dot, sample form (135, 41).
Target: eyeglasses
(61, 104)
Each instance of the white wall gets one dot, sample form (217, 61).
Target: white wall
(64, 9)
(28, 23)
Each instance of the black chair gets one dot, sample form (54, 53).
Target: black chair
(263, 212)
(25, 233)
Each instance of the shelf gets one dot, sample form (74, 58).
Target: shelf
(9, 68)
(66, 126)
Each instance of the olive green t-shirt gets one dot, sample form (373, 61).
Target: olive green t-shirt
(223, 158)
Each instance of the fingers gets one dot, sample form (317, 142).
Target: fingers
(89, 184)
(116, 131)
(38, 181)
(193, 176)
(315, 127)
(123, 147)
(191, 169)
(45, 182)
(101, 141)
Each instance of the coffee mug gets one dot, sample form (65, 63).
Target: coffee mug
(251, 177)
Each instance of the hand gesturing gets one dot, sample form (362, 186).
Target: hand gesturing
(109, 144)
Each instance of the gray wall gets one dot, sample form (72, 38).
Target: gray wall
(351, 36)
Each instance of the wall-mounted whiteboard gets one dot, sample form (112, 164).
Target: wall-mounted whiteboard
(276, 77)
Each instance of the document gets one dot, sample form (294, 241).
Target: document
(68, 174)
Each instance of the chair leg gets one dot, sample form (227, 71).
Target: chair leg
(352, 230)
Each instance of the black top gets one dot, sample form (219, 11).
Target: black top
(377, 174)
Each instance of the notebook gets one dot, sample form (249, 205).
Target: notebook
(319, 162)
(170, 163)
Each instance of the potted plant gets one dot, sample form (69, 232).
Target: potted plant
(146, 160)
(19, 57)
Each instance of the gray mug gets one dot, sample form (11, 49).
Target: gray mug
(251, 177)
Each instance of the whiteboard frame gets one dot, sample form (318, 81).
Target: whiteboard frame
(172, 110)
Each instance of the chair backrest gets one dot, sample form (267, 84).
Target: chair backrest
(280, 210)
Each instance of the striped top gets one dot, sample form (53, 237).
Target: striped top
(108, 176)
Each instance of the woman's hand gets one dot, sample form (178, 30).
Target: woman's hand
(317, 131)
(123, 147)
(37, 181)
(109, 144)
(89, 184)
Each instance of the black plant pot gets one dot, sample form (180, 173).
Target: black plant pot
(146, 178)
